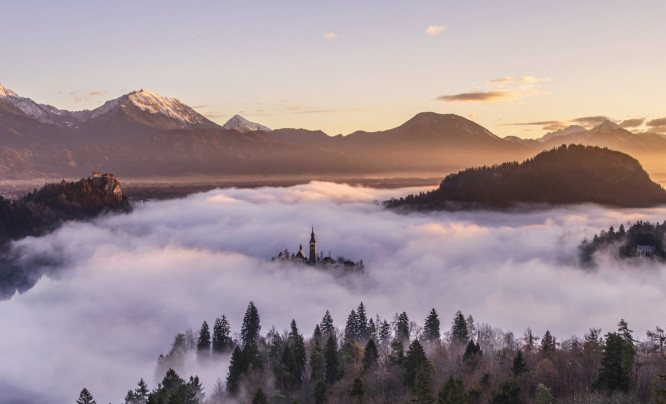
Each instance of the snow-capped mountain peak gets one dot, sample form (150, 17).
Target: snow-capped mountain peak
(4, 92)
(170, 107)
(242, 125)
(607, 125)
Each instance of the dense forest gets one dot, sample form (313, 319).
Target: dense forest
(643, 239)
(377, 361)
(42, 211)
(564, 175)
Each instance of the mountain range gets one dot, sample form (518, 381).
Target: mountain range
(143, 134)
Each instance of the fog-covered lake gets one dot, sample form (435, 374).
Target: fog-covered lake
(125, 285)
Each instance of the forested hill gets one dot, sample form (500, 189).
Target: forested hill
(43, 209)
(564, 175)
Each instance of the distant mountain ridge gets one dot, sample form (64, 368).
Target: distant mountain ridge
(242, 125)
(145, 134)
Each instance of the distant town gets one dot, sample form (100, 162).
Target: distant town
(319, 260)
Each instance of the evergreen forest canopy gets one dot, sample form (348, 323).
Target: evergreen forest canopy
(43, 210)
(643, 239)
(377, 361)
(564, 175)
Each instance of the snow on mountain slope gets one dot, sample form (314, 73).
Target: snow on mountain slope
(242, 125)
(144, 100)
(170, 107)
(41, 112)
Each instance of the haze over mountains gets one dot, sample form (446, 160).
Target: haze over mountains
(143, 134)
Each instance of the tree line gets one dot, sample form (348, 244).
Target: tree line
(373, 360)
(624, 243)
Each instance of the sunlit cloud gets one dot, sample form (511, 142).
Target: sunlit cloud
(632, 123)
(79, 96)
(503, 88)
(591, 121)
(546, 125)
(330, 35)
(488, 96)
(435, 29)
(504, 80)
(658, 129)
(657, 122)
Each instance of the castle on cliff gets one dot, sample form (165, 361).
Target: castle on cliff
(317, 259)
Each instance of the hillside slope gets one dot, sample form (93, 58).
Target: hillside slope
(565, 175)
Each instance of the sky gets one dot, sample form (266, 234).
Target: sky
(346, 65)
(123, 286)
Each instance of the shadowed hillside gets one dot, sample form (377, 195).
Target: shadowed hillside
(565, 175)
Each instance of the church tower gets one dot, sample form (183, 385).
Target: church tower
(313, 248)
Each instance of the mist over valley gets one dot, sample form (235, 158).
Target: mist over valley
(121, 286)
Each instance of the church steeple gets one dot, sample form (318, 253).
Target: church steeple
(313, 248)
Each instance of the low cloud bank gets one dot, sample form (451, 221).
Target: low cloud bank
(125, 285)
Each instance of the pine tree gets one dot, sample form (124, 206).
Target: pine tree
(332, 361)
(384, 333)
(251, 325)
(352, 328)
(130, 398)
(362, 323)
(259, 397)
(317, 332)
(423, 388)
(530, 341)
(326, 324)
(402, 327)
(415, 360)
(320, 392)
(222, 342)
(287, 371)
(508, 392)
(452, 392)
(629, 353)
(548, 343)
(471, 327)
(141, 390)
(519, 366)
(317, 363)
(357, 390)
(397, 356)
(459, 332)
(472, 354)
(203, 343)
(85, 397)
(237, 367)
(372, 330)
(139, 395)
(370, 356)
(543, 396)
(431, 328)
(612, 374)
(196, 389)
(295, 340)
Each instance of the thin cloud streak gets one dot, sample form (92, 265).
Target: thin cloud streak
(487, 96)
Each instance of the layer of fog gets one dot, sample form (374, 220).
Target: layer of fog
(131, 282)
